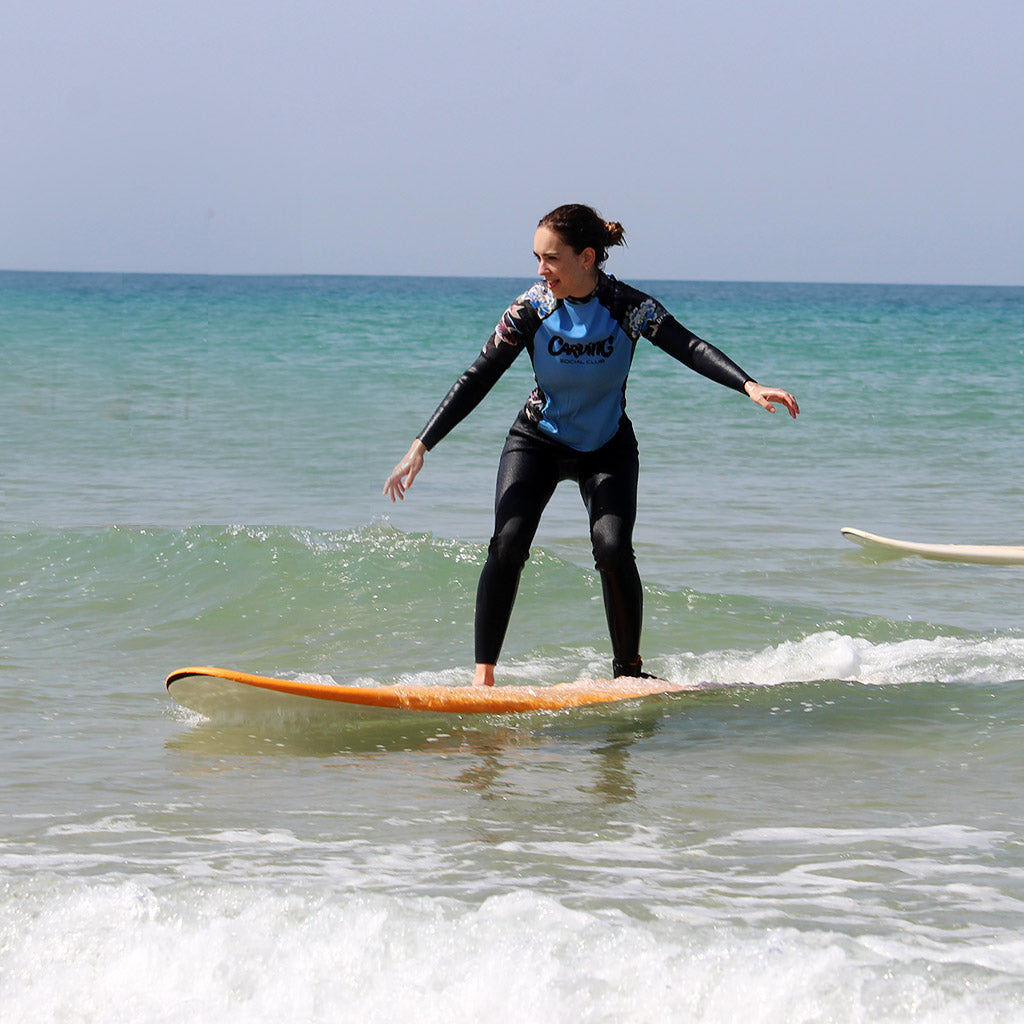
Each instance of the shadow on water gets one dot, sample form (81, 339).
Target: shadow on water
(719, 712)
(485, 752)
(752, 730)
(320, 734)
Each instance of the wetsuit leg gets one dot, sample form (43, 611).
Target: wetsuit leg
(608, 483)
(527, 477)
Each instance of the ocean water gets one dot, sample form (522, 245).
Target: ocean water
(830, 830)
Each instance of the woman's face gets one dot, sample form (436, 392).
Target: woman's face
(569, 274)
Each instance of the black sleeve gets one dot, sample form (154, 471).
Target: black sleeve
(469, 390)
(682, 344)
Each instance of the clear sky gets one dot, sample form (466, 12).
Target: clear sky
(780, 140)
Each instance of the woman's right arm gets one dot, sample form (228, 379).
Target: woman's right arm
(508, 339)
(405, 472)
(468, 391)
(462, 398)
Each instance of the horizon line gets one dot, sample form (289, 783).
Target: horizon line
(496, 277)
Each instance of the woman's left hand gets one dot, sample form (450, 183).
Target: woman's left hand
(765, 396)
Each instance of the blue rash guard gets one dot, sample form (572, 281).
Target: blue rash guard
(581, 350)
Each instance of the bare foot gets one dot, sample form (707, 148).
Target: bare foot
(484, 675)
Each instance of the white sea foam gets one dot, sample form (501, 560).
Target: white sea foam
(129, 952)
(832, 655)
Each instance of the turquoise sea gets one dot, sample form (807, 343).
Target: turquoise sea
(831, 830)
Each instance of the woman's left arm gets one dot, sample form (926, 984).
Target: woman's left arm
(700, 355)
(765, 396)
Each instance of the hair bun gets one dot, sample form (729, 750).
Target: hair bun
(616, 232)
(582, 227)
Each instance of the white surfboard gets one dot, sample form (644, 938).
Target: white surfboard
(986, 554)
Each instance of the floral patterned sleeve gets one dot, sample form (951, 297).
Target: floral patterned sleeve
(512, 333)
(644, 317)
(699, 355)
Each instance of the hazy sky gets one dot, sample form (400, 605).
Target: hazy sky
(810, 140)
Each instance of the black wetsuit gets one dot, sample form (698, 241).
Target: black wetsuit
(574, 427)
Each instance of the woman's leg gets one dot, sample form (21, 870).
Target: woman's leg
(527, 478)
(609, 490)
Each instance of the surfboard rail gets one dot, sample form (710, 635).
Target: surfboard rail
(187, 685)
(984, 554)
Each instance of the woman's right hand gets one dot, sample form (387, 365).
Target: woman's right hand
(405, 472)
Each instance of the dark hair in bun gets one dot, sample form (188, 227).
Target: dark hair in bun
(583, 227)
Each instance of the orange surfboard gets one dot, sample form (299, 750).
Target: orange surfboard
(211, 691)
